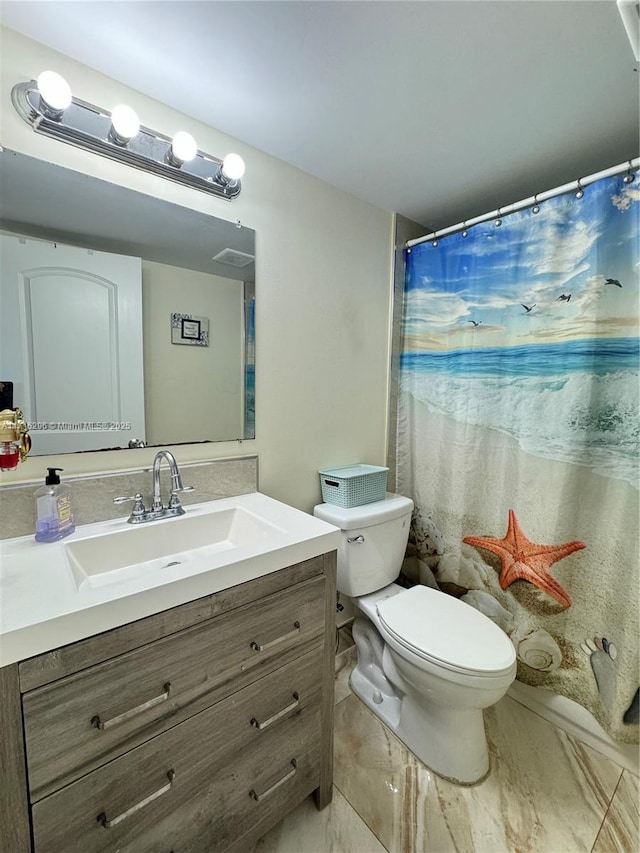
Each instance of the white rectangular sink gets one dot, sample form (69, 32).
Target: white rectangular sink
(153, 546)
(109, 573)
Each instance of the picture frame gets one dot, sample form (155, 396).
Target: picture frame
(190, 330)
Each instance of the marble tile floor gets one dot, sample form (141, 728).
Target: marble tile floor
(547, 792)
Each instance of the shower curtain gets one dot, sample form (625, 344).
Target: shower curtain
(519, 431)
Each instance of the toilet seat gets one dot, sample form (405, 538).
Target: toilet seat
(446, 632)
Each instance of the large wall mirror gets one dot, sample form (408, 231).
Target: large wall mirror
(124, 319)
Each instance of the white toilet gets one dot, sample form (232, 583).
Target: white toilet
(427, 663)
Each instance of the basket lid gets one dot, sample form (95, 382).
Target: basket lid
(348, 471)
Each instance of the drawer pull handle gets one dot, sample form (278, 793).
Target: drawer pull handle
(107, 824)
(260, 647)
(258, 797)
(266, 723)
(97, 723)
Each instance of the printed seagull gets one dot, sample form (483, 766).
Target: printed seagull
(528, 308)
(475, 322)
(564, 297)
(613, 281)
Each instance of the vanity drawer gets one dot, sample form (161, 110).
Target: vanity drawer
(76, 724)
(196, 786)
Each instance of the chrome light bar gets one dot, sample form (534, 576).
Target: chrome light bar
(92, 128)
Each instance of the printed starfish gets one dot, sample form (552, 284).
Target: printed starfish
(523, 559)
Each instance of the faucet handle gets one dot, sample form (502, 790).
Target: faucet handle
(176, 489)
(174, 500)
(138, 506)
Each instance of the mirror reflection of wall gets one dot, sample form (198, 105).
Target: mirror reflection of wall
(190, 393)
(174, 408)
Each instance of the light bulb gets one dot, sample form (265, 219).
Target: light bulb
(233, 167)
(183, 148)
(55, 93)
(125, 124)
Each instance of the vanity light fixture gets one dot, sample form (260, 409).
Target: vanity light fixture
(48, 105)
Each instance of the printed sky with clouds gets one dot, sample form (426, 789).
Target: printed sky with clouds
(569, 248)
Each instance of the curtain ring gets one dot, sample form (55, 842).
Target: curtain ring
(580, 192)
(536, 206)
(498, 221)
(629, 177)
(435, 239)
(465, 233)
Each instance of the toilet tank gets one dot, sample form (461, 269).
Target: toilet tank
(373, 544)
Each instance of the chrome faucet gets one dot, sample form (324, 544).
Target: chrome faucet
(176, 485)
(158, 510)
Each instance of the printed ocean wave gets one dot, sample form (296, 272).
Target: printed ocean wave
(598, 355)
(578, 417)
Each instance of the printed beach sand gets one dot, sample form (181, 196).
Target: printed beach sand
(469, 477)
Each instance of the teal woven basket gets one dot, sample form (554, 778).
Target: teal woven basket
(353, 485)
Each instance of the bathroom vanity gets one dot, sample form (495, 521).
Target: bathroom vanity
(190, 730)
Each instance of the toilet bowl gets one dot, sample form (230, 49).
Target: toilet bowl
(428, 664)
(446, 662)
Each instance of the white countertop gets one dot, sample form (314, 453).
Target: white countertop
(41, 606)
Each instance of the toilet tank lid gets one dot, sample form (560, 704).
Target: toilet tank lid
(393, 506)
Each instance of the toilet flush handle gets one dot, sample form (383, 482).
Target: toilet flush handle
(357, 539)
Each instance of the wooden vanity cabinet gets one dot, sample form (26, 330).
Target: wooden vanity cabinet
(191, 731)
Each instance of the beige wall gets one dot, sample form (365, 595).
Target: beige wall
(324, 268)
(211, 403)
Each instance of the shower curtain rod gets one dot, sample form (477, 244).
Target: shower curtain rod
(629, 166)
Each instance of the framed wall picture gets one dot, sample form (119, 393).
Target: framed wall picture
(190, 330)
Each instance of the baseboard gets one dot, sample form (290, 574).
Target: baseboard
(576, 721)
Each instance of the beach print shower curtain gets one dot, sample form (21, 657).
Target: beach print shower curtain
(518, 436)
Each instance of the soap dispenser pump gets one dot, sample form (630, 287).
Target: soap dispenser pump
(54, 517)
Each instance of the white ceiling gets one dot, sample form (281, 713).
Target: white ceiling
(440, 110)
